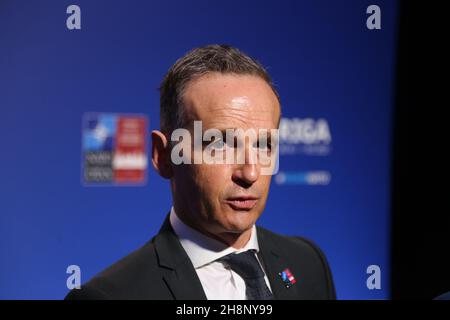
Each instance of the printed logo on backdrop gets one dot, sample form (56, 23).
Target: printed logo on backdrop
(114, 149)
(311, 178)
(311, 137)
(304, 137)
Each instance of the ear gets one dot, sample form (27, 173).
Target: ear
(161, 154)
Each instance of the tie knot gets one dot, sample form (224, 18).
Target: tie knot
(245, 264)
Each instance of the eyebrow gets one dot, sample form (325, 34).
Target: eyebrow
(224, 133)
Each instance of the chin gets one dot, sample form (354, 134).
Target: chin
(240, 224)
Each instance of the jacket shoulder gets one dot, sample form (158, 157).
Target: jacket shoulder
(136, 276)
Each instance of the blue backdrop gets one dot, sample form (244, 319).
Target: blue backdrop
(335, 78)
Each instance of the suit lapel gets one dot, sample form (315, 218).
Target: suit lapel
(178, 272)
(181, 278)
(274, 263)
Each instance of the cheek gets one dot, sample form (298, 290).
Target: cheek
(212, 179)
(263, 187)
(265, 183)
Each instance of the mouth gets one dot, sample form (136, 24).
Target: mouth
(245, 203)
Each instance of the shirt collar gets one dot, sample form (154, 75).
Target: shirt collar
(202, 249)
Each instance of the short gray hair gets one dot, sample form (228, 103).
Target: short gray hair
(197, 62)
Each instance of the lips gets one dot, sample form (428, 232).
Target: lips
(242, 202)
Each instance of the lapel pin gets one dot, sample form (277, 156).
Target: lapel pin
(287, 277)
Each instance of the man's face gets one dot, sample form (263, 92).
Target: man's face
(225, 198)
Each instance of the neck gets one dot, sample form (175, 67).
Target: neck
(236, 240)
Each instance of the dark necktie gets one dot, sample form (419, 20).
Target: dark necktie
(247, 266)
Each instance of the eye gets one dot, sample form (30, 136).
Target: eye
(264, 146)
(218, 144)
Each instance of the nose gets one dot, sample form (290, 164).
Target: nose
(247, 173)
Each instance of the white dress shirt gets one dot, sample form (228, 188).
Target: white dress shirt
(219, 283)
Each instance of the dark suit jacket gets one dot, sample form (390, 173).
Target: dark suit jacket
(161, 269)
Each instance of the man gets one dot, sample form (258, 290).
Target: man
(209, 246)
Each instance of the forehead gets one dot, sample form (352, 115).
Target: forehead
(225, 101)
